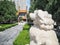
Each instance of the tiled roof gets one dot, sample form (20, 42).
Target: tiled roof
(21, 11)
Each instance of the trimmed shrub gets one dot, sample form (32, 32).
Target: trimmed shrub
(26, 27)
(7, 26)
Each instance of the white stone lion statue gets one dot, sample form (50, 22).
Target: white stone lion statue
(42, 33)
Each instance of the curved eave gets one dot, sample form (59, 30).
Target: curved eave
(21, 11)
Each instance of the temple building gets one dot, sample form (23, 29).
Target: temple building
(21, 8)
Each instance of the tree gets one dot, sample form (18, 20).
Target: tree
(7, 12)
(52, 6)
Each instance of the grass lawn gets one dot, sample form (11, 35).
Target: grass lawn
(23, 38)
(6, 26)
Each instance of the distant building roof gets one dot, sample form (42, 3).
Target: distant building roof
(21, 11)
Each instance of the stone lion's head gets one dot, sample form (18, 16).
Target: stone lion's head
(42, 19)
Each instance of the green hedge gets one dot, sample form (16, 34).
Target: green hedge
(6, 26)
(26, 27)
(23, 38)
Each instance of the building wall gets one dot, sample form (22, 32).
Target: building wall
(20, 4)
(21, 8)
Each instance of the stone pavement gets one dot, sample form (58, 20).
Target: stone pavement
(8, 36)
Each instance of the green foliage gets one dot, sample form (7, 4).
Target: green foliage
(6, 26)
(23, 38)
(21, 18)
(7, 12)
(52, 6)
(26, 27)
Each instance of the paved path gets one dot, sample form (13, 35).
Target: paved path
(8, 36)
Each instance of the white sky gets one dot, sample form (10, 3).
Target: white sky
(28, 3)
